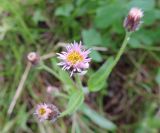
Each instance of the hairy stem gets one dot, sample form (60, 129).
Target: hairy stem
(19, 89)
(78, 81)
(121, 51)
(50, 71)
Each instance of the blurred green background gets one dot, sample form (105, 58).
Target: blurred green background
(130, 98)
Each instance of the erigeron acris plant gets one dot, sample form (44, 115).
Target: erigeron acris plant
(75, 60)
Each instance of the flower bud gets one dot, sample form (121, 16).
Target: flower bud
(33, 58)
(133, 20)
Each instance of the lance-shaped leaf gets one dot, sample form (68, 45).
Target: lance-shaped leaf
(98, 79)
(75, 101)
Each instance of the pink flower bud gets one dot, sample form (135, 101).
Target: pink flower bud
(133, 20)
(33, 58)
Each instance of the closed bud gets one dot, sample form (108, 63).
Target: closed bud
(33, 58)
(133, 20)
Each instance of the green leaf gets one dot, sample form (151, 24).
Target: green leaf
(149, 17)
(38, 16)
(64, 76)
(144, 38)
(97, 118)
(145, 5)
(153, 122)
(157, 12)
(158, 77)
(64, 10)
(22, 118)
(134, 42)
(96, 56)
(9, 125)
(75, 101)
(91, 37)
(98, 79)
(107, 15)
(141, 38)
(118, 27)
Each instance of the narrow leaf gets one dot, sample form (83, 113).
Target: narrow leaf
(97, 118)
(64, 10)
(64, 76)
(158, 77)
(98, 79)
(75, 101)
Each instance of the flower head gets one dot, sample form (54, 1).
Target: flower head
(133, 20)
(33, 58)
(46, 112)
(75, 59)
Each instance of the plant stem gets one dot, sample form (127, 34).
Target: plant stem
(78, 81)
(62, 95)
(50, 71)
(121, 51)
(19, 88)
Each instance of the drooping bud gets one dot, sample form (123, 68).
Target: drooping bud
(46, 112)
(133, 20)
(33, 58)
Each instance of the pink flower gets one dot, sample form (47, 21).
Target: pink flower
(136, 13)
(133, 20)
(75, 59)
(46, 112)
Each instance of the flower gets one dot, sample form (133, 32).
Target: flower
(33, 58)
(75, 59)
(133, 20)
(46, 112)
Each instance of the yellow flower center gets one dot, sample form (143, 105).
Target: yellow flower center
(74, 57)
(42, 111)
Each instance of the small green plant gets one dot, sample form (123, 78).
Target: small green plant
(75, 60)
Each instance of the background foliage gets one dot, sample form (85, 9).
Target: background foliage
(129, 98)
